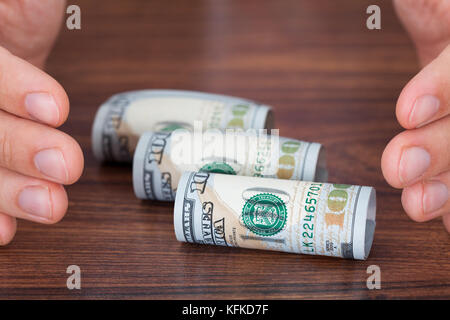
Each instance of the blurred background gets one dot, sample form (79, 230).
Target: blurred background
(327, 76)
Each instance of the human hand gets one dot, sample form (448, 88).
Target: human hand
(35, 158)
(418, 159)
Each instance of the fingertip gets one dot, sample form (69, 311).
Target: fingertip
(412, 202)
(59, 202)
(406, 158)
(72, 154)
(41, 82)
(8, 227)
(62, 101)
(390, 163)
(405, 104)
(418, 102)
(30, 93)
(74, 158)
(424, 98)
(446, 221)
(48, 104)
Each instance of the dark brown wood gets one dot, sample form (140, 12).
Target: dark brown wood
(330, 80)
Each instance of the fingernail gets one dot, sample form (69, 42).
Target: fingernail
(423, 110)
(435, 195)
(42, 107)
(51, 163)
(36, 201)
(414, 162)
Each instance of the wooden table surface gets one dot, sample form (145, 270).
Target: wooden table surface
(330, 80)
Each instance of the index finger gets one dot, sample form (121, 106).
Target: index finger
(29, 92)
(426, 97)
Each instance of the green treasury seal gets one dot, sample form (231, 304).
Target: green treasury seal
(218, 167)
(264, 214)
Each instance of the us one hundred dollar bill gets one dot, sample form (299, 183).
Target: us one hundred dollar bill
(162, 157)
(124, 117)
(272, 214)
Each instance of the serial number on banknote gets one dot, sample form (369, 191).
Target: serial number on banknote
(312, 197)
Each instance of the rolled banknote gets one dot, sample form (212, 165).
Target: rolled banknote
(121, 120)
(272, 214)
(162, 157)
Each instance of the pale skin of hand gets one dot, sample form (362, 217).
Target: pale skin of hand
(36, 159)
(418, 159)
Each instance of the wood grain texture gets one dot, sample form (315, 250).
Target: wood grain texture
(329, 79)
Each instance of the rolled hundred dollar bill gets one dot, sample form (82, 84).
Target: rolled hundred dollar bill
(272, 214)
(121, 120)
(162, 157)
